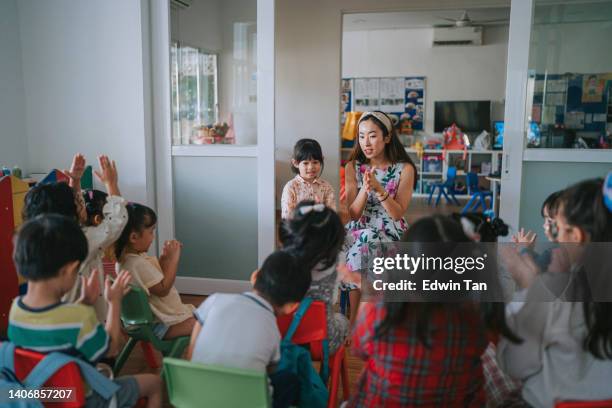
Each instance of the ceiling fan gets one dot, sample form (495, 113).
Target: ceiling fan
(466, 21)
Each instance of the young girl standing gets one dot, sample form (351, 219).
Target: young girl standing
(380, 178)
(307, 164)
(315, 235)
(155, 276)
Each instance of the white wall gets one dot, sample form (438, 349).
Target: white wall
(13, 138)
(83, 77)
(308, 71)
(452, 73)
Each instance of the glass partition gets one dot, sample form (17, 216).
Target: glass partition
(569, 97)
(214, 73)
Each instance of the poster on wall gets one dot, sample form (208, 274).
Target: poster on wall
(346, 97)
(414, 107)
(592, 88)
(392, 94)
(367, 92)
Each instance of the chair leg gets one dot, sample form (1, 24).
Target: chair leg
(149, 354)
(431, 193)
(345, 378)
(452, 193)
(445, 193)
(440, 191)
(332, 402)
(468, 206)
(178, 347)
(123, 356)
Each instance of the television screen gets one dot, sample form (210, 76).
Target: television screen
(469, 116)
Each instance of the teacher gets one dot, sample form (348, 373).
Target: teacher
(380, 179)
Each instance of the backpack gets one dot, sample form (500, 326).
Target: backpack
(313, 391)
(39, 375)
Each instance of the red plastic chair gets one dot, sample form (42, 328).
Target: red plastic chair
(312, 331)
(68, 376)
(584, 404)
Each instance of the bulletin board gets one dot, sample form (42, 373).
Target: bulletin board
(578, 101)
(399, 97)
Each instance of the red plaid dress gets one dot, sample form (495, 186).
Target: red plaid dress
(402, 372)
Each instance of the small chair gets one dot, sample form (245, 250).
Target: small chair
(479, 196)
(584, 404)
(312, 331)
(445, 188)
(68, 376)
(138, 323)
(192, 385)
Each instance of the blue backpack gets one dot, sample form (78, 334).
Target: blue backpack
(294, 358)
(41, 373)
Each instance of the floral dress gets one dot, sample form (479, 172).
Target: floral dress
(375, 226)
(324, 287)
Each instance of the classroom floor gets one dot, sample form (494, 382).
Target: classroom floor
(418, 209)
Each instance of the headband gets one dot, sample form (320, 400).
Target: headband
(607, 191)
(308, 208)
(384, 119)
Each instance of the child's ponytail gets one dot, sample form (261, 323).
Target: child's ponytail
(94, 204)
(315, 234)
(139, 218)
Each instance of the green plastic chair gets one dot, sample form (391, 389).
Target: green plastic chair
(138, 322)
(87, 179)
(192, 385)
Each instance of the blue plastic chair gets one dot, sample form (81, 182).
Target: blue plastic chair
(446, 188)
(479, 197)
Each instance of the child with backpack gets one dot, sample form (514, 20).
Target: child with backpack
(315, 234)
(250, 339)
(48, 253)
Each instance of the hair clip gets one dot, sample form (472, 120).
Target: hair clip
(607, 191)
(308, 208)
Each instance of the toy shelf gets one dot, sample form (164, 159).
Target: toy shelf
(474, 160)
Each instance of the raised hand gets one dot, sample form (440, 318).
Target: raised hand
(90, 288)
(171, 252)
(114, 292)
(77, 168)
(108, 175)
(524, 237)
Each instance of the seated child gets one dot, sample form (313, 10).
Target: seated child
(423, 353)
(155, 276)
(240, 331)
(567, 349)
(315, 235)
(48, 253)
(100, 231)
(306, 163)
(548, 212)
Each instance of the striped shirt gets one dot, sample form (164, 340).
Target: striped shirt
(68, 327)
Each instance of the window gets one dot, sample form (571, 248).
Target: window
(195, 105)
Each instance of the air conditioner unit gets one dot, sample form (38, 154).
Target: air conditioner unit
(182, 4)
(451, 36)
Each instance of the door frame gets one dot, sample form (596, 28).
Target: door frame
(160, 40)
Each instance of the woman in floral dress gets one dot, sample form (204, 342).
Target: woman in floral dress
(380, 178)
